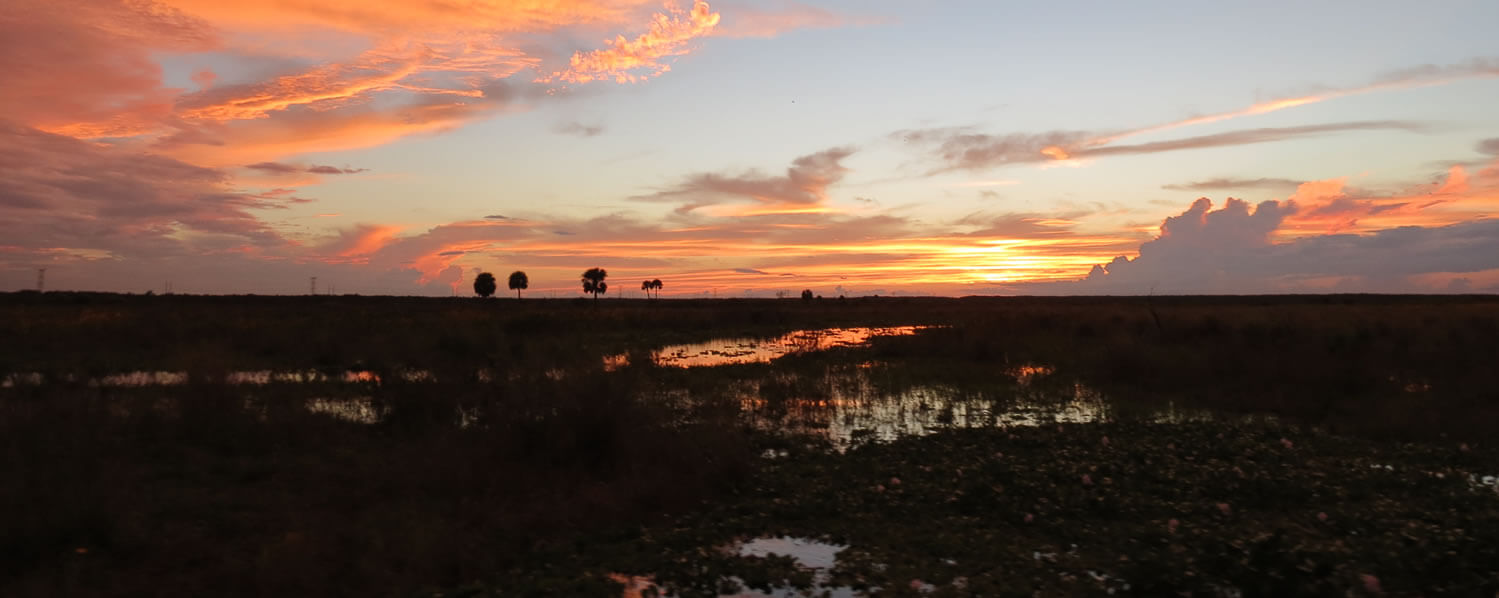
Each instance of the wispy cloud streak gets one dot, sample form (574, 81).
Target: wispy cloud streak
(1423, 76)
(961, 150)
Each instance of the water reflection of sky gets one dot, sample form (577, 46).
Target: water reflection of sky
(248, 377)
(818, 557)
(849, 407)
(728, 351)
(854, 410)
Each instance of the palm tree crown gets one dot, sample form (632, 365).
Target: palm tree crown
(593, 282)
(649, 285)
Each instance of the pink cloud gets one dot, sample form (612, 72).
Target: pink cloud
(805, 185)
(88, 70)
(1330, 206)
(101, 199)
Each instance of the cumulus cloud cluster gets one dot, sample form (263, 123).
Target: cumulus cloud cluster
(1229, 250)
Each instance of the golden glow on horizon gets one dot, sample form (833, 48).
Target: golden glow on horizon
(949, 262)
(769, 265)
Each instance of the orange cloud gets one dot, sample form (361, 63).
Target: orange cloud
(1457, 181)
(376, 70)
(429, 66)
(365, 240)
(87, 69)
(303, 131)
(383, 17)
(1328, 206)
(391, 68)
(623, 58)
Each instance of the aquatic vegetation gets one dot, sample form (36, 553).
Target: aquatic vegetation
(1203, 508)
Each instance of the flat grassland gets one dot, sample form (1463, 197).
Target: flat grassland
(1296, 445)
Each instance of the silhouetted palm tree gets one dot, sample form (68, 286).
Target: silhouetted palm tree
(593, 282)
(656, 284)
(645, 285)
(518, 282)
(484, 284)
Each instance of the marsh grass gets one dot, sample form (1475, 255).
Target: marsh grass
(1211, 508)
(1394, 367)
(199, 490)
(547, 473)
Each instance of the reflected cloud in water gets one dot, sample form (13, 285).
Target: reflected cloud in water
(849, 407)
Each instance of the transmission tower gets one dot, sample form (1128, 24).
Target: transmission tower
(41, 280)
(313, 280)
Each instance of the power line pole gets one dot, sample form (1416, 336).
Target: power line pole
(41, 280)
(313, 284)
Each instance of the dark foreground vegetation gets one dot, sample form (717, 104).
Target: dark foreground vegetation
(515, 464)
(1150, 510)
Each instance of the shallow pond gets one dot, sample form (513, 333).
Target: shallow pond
(716, 352)
(848, 407)
(812, 555)
(729, 351)
(178, 378)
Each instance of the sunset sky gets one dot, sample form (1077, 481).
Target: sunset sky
(745, 148)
